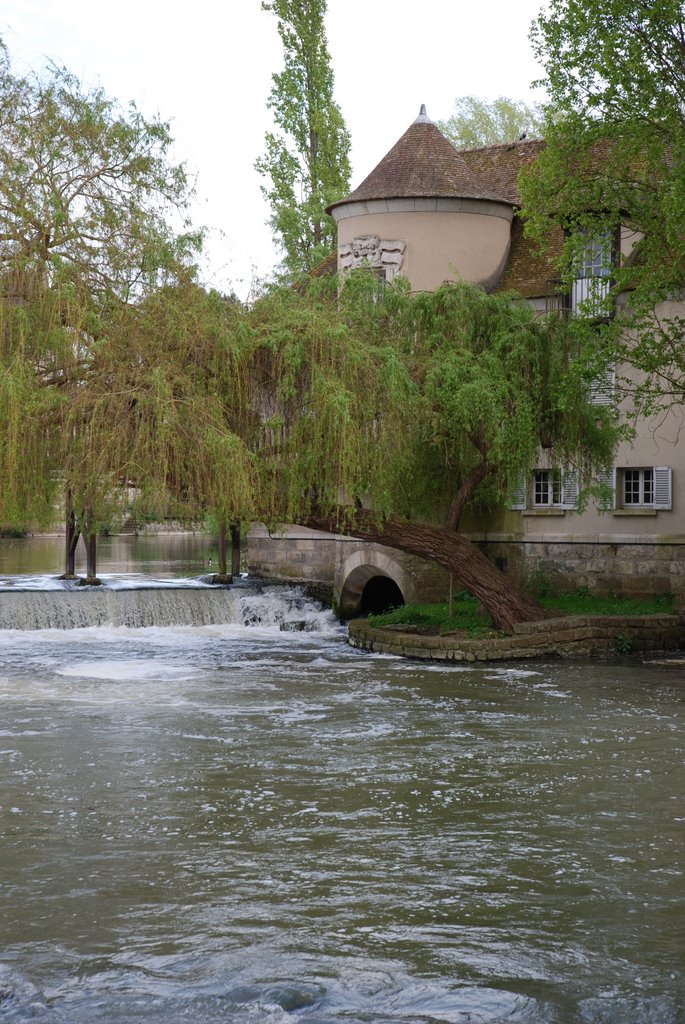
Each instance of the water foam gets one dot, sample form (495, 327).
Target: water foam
(127, 670)
(143, 603)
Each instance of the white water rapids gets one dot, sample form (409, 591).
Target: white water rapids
(41, 602)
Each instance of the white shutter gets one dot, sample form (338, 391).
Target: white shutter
(519, 496)
(603, 387)
(607, 477)
(662, 487)
(569, 489)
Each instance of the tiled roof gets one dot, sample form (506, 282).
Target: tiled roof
(423, 164)
(530, 268)
(498, 166)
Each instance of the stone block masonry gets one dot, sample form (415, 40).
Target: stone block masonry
(572, 636)
(628, 568)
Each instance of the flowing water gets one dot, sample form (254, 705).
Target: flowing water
(249, 821)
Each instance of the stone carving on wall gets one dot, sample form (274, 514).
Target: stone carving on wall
(372, 251)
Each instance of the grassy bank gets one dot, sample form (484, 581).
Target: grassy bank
(435, 618)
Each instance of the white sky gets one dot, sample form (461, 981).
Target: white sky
(206, 66)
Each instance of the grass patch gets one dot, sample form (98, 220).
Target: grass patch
(434, 619)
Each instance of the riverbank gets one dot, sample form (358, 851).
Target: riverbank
(569, 636)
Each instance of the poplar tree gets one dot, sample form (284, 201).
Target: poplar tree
(306, 162)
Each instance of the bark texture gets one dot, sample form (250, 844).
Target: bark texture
(506, 602)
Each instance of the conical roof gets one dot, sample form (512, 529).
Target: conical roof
(422, 164)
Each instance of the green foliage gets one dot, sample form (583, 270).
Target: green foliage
(478, 122)
(435, 618)
(87, 188)
(623, 644)
(615, 153)
(307, 159)
(86, 196)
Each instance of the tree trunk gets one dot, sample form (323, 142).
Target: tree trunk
(466, 491)
(506, 602)
(90, 541)
(235, 549)
(222, 547)
(72, 535)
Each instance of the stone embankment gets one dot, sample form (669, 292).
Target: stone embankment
(573, 636)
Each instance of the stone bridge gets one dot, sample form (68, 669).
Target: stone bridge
(362, 577)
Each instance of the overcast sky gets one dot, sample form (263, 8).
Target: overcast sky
(206, 66)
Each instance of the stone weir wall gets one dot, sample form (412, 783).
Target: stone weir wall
(579, 636)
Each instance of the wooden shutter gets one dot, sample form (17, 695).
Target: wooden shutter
(602, 388)
(607, 477)
(569, 489)
(662, 487)
(519, 496)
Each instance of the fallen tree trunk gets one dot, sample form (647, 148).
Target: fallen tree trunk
(506, 602)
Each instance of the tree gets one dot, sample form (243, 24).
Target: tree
(87, 196)
(615, 154)
(307, 159)
(413, 407)
(87, 189)
(477, 122)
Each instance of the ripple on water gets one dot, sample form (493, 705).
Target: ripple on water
(222, 826)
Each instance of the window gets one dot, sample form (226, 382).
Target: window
(636, 488)
(603, 388)
(590, 289)
(546, 489)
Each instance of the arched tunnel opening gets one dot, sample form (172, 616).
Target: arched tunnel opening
(379, 595)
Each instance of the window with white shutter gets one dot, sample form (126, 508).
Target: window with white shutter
(519, 496)
(644, 487)
(662, 487)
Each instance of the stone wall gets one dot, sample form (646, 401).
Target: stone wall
(630, 568)
(570, 636)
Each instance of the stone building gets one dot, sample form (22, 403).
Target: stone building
(434, 214)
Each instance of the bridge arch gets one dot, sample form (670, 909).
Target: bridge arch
(371, 583)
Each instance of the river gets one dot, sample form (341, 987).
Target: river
(232, 823)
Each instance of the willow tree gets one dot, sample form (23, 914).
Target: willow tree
(87, 195)
(149, 428)
(307, 157)
(412, 408)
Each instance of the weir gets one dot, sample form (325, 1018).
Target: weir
(285, 608)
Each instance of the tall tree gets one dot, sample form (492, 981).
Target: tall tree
(307, 158)
(478, 122)
(615, 154)
(413, 407)
(87, 198)
(87, 188)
